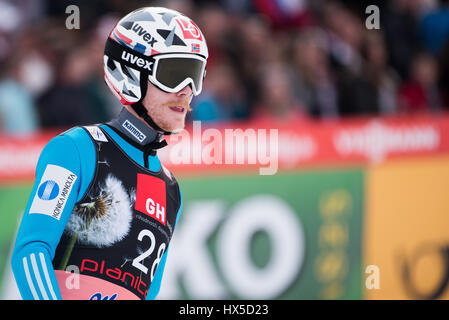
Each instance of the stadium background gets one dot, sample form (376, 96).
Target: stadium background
(362, 185)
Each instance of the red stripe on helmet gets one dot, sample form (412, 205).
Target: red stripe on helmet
(122, 37)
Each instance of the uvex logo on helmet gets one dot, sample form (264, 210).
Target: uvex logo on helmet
(139, 30)
(140, 62)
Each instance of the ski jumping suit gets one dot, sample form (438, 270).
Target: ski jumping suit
(100, 216)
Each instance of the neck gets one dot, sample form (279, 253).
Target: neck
(132, 127)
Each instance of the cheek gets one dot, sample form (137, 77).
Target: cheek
(167, 119)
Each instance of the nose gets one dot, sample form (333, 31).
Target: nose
(185, 92)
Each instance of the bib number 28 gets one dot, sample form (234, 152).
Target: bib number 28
(138, 261)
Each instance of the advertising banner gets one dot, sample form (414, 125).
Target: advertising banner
(13, 199)
(289, 236)
(406, 229)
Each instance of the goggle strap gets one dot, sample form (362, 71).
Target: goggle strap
(128, 56)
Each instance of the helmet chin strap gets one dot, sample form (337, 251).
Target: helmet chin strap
(141, 110)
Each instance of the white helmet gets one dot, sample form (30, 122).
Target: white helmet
(158, 45)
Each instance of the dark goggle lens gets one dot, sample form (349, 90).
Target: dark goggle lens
(173, 71)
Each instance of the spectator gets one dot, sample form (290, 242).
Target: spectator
(434, 28)
(73, 91)
(356, 94)
(276, 100)
(421, 92)
(223, 97)
(313, 82)
(17, 110)
(285, 14)
(384, 79)
(106, 106)
(400, 25)
(254, 50)
(217, 25)
(345, 34)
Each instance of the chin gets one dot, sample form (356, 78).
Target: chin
(174, 127)
(178, 129)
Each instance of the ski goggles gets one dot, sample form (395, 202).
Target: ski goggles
(170, 72)
(174, 71)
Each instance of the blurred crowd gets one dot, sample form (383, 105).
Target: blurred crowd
(269, 60)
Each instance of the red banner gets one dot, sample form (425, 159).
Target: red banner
(268, 147)
(360, 141)
(19, 155)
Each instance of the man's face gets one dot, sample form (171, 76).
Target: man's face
(168, 110)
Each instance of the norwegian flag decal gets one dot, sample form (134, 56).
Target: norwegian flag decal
(195, 48)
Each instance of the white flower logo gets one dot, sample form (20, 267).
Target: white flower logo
(106, 219)
(103, 221)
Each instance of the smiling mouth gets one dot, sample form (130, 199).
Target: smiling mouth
(179, 109)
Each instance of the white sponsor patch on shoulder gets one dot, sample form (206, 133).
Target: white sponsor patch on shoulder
(96, 133)
(53, 191)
